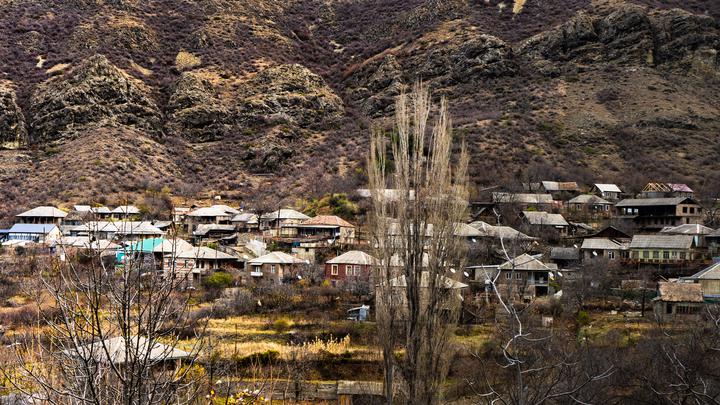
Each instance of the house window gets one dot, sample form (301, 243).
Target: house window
(646, 255)
(656, 254)
(508, 276)
(348, 270)
(682, 255)
(272, 268)
(685, 210)
(357, 271)
(692, 210)
(518, 276)
(666, 254)
(611, 255)
(334, 269)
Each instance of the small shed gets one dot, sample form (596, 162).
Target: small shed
(678, 300)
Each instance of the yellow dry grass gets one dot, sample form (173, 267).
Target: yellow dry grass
(56, 69)
(186, 60)
(143, 71)
(518, 6)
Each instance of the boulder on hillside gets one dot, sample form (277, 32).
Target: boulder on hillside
(12, 120)
(194, 111)
(289, 94)
(95, 92)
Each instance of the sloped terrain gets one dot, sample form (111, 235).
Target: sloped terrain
(268, 97)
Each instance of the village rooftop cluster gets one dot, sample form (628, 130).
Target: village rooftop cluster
(532, 240)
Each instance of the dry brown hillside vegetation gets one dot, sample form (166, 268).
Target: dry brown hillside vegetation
(105, 99)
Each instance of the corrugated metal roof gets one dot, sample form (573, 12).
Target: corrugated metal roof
(608, 188)
(44, 211)
(116, 351)
(688, 229)
(600, 244)
(521, 198)
(646, 202)
(276, 258)
(499, 231)
(353, 257)
(204, 252)
(331, 220)
(32, 228)
(560, 186)
(285, 213)
(544, 218)
(661, 242)
(126, 209)
(217, 210)
(589, 199)
(709, 273)
(679, 292)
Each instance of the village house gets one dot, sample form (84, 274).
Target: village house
(604, 248)
(282, 222)
(610, 192)
(218, 214)
(524, 201)
(116, 351)
(654, 214)
(540, 222)
(42, 215)
(101, 213)
(560, 190)
(612, 233)
(678, 301)
(709, 280)
(565, 257)
(713, 244)
(327, 227)
(94, 230)
(273, 268)
(589, 204)
(35, 233)
(353, 267)
(666, 249)
(493, 233)
(213, 232)
(197, 262)
(666, 190)
(525, 276)
(699, 232)
(245, 222)
(126, 212)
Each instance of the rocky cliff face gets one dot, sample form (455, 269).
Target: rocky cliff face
(630, 34)
(194, 110)
(289, 94)
(12, 120)
(94, 93)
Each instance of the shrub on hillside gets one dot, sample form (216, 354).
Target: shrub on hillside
(218, 280)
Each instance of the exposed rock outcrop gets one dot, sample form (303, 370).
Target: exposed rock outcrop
(289, 94)
(628, 34)
(12, 120)
(194, 111)
(445, 58)
(464, 58)
(95, 92)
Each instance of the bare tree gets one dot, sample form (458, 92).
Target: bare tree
(415, 241)
(109, 334)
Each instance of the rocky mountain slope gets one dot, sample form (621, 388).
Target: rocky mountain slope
(105, 100)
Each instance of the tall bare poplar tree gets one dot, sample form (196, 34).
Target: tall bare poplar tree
(413, 228)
